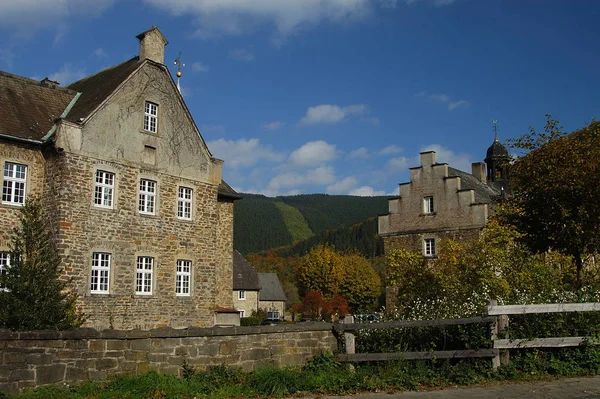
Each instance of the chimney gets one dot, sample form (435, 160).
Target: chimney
(152, 45)
(478, 170)
(427, 158)
(49, 83)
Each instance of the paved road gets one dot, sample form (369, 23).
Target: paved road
(567, 388)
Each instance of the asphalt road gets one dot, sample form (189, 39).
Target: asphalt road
(567, 388)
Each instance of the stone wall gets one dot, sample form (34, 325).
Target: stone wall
(32, 157)
(31, 359)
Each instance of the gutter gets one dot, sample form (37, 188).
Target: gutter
(24, 140)
(63, 115)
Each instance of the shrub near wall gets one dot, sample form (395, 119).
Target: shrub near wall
(31, 359)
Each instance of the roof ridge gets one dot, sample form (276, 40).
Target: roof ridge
(102, 71)
(26, 80)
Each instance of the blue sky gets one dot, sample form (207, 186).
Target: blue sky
(335, 96)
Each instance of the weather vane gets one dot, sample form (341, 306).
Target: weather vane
(495, 123)
(179, 66)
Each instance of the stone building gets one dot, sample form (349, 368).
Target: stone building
(271, 297)
(245, 286)
(253, 291)
(443, 202)
(142, 218)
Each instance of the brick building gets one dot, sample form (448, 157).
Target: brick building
(142, 219)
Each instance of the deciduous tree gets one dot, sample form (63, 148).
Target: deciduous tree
(556, 188)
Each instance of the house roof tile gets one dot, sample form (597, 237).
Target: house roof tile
(30, 107)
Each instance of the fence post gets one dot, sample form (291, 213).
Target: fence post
(503, 329)
(494, 331)
(349, 337)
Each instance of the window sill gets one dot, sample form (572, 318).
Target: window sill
(12, 205)
(149, 133)
(148, 215)
(428, 214)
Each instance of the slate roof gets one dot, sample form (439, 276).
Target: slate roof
(225, 191)
(29, 107)
(484, 193)
(270, 288)
(96, 88)
(245, 276)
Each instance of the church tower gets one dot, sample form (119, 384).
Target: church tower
(497, 159)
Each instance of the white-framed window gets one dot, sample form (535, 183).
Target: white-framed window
(13, 186)
(273, 315)
(184, 203)
(242, 313)
(183, 276)
(147, 196)
(242, 295)
(429, 247)
(428, 205)
(100, 278)
(104, 189)
(150, 117)
(143, 275)
(4, 265)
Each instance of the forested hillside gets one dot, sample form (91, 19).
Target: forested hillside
(360, 237)
(261, 223)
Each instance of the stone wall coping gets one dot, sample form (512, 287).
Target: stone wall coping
(164, 332)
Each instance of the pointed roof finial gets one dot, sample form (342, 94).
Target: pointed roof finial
(179, 66)
(495, 123)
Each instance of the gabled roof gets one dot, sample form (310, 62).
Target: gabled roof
(270, 288)
(28, 108)
(96, 88)
(485, 193)
(226, 192)
(245, 276)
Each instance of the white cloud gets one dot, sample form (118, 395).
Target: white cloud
(361, 153)
(445, 155)
(236, 17)
(366, 191)
(313, 153)
(390, 150)
(326, 113)
(243, 153)
(100, 53)
(199, 67)
(241, 54)
(343, 187)
(25, 17)
(445, 99)
(67, 74)
(275, 125)
(397, 164)
(320, 176)
(456, 104)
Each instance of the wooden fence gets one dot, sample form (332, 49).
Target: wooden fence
(497, 316)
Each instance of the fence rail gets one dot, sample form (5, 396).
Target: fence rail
(497, 316)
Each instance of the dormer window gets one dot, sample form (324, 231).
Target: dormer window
(428, 205)
(150, 117)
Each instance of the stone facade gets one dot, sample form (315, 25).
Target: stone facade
(247, 305)
(435, 205)
(114, 139)
(31, 359)
(273, 306)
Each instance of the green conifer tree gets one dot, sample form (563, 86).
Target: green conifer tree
(34, 296)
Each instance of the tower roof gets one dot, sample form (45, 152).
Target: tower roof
(496, 150)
